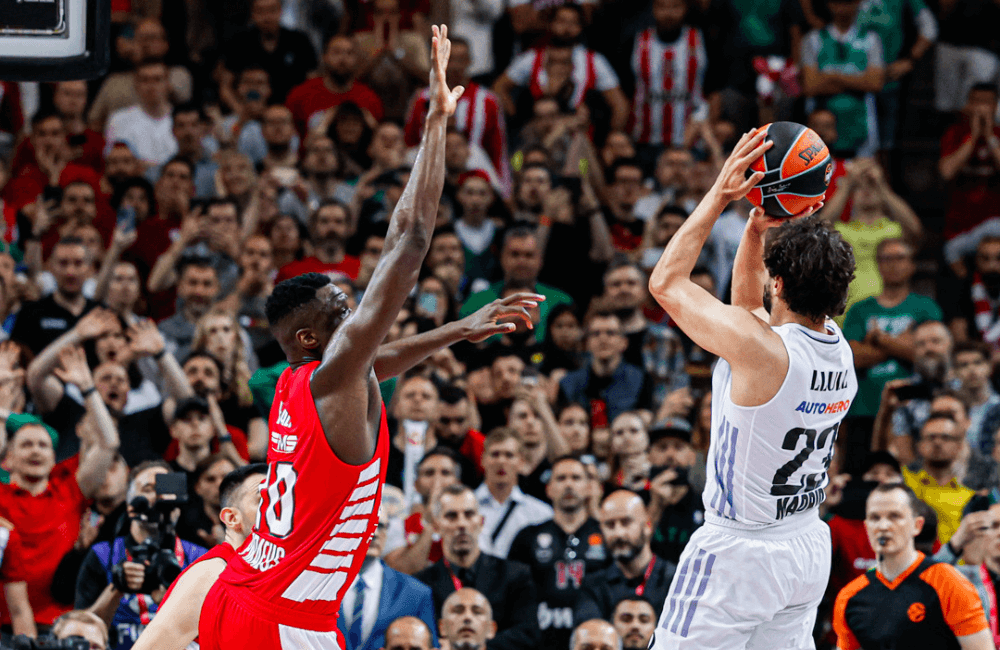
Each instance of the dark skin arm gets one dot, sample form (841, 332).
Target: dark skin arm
(399, 356)
(344, 386)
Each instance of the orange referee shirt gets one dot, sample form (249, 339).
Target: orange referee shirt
(928, 606)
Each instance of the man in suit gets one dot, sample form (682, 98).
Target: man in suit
(379, 596)
(507, 585)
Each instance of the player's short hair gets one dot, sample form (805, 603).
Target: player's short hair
(501, 435)
(229, 489)
(911, 496)
(815, 264)
(80, 616)
(292, 295)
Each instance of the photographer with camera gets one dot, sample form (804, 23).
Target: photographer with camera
(123, 582)
(75, 630)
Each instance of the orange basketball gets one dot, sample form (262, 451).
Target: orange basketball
(797, 170)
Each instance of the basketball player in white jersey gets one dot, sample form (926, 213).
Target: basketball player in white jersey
(754, 574)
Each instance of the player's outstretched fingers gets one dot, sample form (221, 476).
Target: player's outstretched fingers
(523, 298)
(509, 311)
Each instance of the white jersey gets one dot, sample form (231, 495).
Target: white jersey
(767, 465)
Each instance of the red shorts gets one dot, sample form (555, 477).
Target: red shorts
(226, 624)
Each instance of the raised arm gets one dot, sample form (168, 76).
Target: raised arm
(727, 331)
(45, 387)
(120, 242)
(352, 350)
(96, 458)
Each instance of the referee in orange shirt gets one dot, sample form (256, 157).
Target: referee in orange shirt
(909, 600)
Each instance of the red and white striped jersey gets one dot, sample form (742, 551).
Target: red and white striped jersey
(478, 115)
(316, 518)
(591, 71)
(668, 85)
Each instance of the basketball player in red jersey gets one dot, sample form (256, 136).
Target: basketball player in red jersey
(176, 621)
(328, 436)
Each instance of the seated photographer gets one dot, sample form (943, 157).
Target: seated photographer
(124, 582)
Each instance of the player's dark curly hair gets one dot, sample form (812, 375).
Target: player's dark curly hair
(292, 294)
(815, 264)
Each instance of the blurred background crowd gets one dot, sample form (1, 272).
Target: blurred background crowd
(551, 475)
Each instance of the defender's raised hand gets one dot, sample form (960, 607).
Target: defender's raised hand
(442, 100)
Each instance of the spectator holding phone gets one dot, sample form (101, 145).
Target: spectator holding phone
(906, 403)
(675, 505)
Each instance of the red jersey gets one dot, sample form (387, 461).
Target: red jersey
(414, 525)
(478, 115)
(311, 98)
(349, 266)
(11, 553)
(668, 85)
(223, 551)
(974, 193)
(48, 525)
(316, 518)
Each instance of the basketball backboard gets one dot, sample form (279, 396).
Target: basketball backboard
(52, 40)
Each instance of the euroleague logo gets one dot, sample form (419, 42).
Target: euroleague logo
(916, 612)
(828, 174)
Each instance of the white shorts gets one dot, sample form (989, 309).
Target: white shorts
(735, 589)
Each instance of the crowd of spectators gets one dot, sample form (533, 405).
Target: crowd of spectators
(542, 482)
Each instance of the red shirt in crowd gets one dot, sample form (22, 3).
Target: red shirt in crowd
(478, 115)
(91, 153)
(852, 554)
(974, 194)
(414, 525)
(48, 525)
(310, 99)
(349, 267)
(25, 187)
(12, 563)
(472, 448)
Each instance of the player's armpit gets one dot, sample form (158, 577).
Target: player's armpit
(960, 603)
(733, 333)
(176, 623)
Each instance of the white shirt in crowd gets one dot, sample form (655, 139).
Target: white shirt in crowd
(372, 575)
(527, 511)
(152, 139)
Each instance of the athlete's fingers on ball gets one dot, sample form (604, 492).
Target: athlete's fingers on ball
(516, 298)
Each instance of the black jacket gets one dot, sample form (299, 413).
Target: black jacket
(507, 586)
(602, 590)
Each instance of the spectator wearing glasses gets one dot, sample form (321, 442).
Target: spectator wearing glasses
(608, 385)
(937, 482)
(507, 585)
(881, 328)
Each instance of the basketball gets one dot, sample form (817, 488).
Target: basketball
(796, 169)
